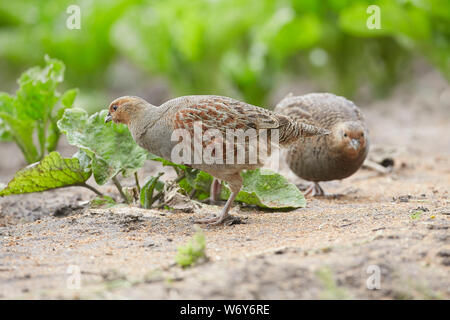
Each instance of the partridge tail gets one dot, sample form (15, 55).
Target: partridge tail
(292, 130)
(309, 130)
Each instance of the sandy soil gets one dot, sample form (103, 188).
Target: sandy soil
(326, 250)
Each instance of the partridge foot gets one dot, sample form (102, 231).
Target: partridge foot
(315, 190)
(224, 215)
(218, 220)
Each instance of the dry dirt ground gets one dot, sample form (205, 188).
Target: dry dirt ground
(397, 223)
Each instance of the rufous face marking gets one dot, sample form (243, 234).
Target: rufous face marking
(120, 108)
(350, 138)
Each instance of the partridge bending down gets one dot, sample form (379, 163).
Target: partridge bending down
(153, 127)
(335, 156)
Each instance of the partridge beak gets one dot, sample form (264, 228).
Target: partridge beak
(108, 118)
(354, 143)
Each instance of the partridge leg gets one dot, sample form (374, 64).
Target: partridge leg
(235, 183)
(315, 190)
(223, 214)
(215, 191)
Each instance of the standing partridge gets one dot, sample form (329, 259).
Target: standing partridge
(334, 156)
(153, 127)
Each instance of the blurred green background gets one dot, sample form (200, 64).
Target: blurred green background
(238, 48)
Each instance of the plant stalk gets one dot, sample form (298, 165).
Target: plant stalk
(119, 187)
(92, 189)
(136, 179)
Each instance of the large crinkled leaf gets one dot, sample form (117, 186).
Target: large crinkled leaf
(37, 94)
(261, 187)
(267, 189)
(50, 173)
(20, 130)
(35, 108)
(109, 146)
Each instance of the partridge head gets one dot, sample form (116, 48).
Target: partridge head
(123, 109)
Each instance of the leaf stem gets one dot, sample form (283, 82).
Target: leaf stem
(119, 187)
(136, 179)
(92, 189)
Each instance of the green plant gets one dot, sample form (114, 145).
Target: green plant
(102, 202)
(331, 290)
(50, 173)
(240, 48)
(193, 251)
(35, 108)
(105, 150)
(416, 215)
(247, 52)
(146, 195)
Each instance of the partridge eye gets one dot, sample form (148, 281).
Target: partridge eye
(345, 135)
(114, 107)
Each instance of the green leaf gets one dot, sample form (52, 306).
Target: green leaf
(5, 134)
(110, 146)
(32, 109)
(166, 162)
(52, 172)
(102, 202)
(68, 98)
(54, 133)
(37, 94)
(6, 108)
(6, 103)
(193, 251)
(146, 195)
(198, 180)
(261, 187)
(416, 214)
(22, 133)
(267, 189)
(83, 158)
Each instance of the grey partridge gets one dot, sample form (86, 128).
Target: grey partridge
(153, 127)
(334, 156)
